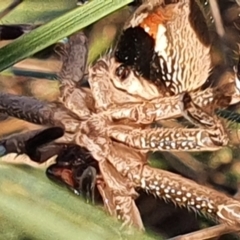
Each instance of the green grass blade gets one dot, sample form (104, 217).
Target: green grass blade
(38, 209)
(35, 12)
(57, 29)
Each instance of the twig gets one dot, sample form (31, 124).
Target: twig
(217, 17)
(208, 233)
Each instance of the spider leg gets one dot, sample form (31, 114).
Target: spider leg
(39, 112)
(118, 196)
(210, 136)
(74, 98)
(45, 152)
(40, 139)
(74, 59)
(118, 193)
(122, 207)
(30, 143)
(186, 193)
(170, 107)
(175, 188)
(158, 108)
(27, 108)
(166, 139)
(196, 114)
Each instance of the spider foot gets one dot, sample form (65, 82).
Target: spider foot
(123, 207)
(74, 55)
(33, 144)
(118, 196)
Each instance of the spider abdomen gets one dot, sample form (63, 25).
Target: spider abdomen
(168, 47)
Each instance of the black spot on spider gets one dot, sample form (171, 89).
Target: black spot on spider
(135, 48)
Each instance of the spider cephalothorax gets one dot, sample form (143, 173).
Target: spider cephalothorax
(111, 122)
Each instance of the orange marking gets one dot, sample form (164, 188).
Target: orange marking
(66, 175)
(153, 20)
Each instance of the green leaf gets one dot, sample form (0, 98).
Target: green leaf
(35, 11)
(39, 209)
(57, 29)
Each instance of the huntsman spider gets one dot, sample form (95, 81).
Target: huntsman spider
(102, 135)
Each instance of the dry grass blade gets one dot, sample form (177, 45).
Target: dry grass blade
(217, 17)
(208, 233)
(10, 8)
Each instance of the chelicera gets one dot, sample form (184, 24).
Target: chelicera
(108, 127)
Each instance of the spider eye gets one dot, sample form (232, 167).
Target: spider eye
(122, 72)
